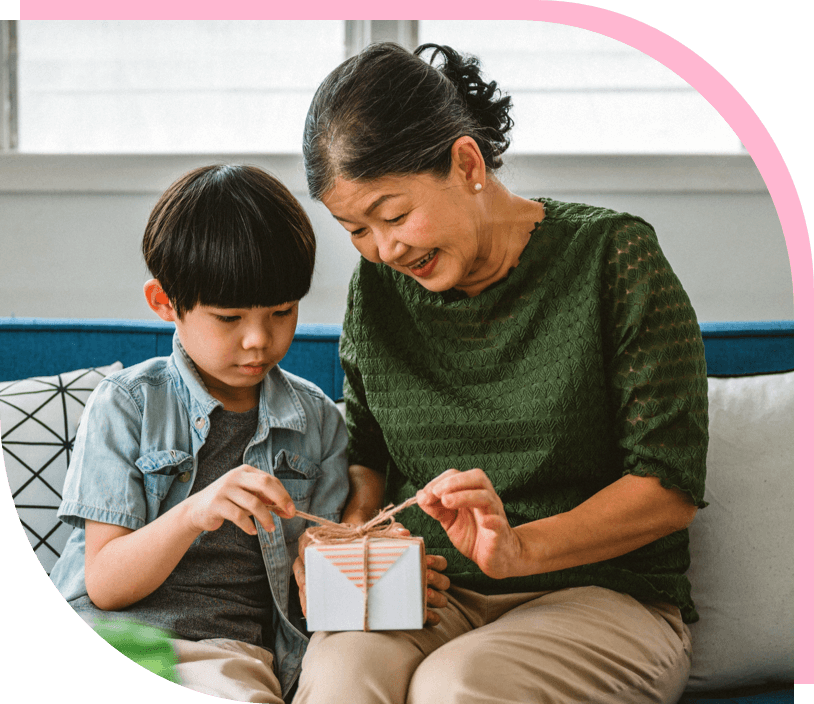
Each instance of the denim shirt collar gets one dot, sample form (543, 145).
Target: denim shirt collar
(280, 406)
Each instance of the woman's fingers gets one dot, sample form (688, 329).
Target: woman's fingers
(455, 490)
(453, 480)
(480, 499)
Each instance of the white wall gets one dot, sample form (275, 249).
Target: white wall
(71, 226)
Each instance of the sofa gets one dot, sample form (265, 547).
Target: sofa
(741, 544)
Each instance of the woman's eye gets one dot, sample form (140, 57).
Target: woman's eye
(393, 221)
(357, 233)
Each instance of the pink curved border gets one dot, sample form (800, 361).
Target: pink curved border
(705, 79)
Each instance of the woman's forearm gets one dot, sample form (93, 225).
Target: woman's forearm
(366, 494)
(630, 513)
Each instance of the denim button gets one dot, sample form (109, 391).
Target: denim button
(199, 423)
(184, 477)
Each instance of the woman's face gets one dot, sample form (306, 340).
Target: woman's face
(428, 228)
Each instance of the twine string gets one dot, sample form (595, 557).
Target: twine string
(380, 526)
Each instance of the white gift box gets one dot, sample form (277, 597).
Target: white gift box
(334, 585)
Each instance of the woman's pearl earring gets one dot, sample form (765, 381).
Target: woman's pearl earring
(478, 186)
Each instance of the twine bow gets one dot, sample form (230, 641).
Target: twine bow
(380, 526)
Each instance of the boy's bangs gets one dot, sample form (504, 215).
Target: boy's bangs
(249, 267)
(252, 282)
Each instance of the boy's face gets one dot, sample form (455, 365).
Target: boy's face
(234, 348)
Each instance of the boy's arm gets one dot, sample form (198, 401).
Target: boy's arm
(122, 566)
(127, 558)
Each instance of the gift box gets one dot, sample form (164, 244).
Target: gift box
(394, 597)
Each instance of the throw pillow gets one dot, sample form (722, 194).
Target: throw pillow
(742, 544)
(38, 422)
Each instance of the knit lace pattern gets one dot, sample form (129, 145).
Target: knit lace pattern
(583, 365)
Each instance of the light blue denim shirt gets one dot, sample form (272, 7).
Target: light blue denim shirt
(135, 457)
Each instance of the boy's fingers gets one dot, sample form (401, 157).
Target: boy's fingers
(436, 599)
(436, 562)
(299, 573)
(431, 618)
(269, 489)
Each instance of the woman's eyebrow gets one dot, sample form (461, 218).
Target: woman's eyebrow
(375, 204)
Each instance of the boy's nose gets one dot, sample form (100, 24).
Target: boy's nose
(256, 337)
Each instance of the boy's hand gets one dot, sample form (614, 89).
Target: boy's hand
(437, 584)
(299, 569)
(238, 496)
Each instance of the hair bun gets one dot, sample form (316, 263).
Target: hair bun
(488, 105)
(388, 111)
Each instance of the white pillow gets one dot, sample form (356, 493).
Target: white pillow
(38, 421)
(742, 544)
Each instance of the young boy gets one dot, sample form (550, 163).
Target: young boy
(187, 469)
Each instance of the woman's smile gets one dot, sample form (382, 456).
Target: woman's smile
(424, 266)
(409, 222)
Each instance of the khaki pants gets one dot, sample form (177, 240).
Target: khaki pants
(582, 646)
(228, 669)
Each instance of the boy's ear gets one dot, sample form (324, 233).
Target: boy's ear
(158, 301)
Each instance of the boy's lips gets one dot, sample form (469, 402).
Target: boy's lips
(254, 367)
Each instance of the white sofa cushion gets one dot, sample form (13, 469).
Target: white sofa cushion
(38, 421)
(742, 544)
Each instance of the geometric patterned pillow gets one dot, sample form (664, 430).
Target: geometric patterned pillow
(38, 421)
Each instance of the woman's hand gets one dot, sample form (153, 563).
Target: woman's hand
(470, 511)
(627, 514)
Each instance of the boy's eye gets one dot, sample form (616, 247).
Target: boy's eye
(287, 311)
(228, 318)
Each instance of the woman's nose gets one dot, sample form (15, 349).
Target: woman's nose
(390, 248)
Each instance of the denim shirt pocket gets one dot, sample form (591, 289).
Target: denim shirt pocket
(299, 476)
(160, 469)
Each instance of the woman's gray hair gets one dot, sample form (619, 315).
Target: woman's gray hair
(386, 111)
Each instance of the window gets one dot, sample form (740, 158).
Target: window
(244, 86)
(171, 86)
(576, 91)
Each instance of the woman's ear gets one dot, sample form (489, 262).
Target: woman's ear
(468, 164)
(158, 301)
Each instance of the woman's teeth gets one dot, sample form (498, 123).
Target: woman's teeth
(426, 260)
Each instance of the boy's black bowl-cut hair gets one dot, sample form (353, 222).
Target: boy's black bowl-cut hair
(229, 237)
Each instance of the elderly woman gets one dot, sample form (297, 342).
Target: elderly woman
(544, 350)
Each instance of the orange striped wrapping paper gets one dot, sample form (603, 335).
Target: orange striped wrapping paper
(334, 585)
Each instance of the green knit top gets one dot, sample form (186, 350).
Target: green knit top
(584, 364)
